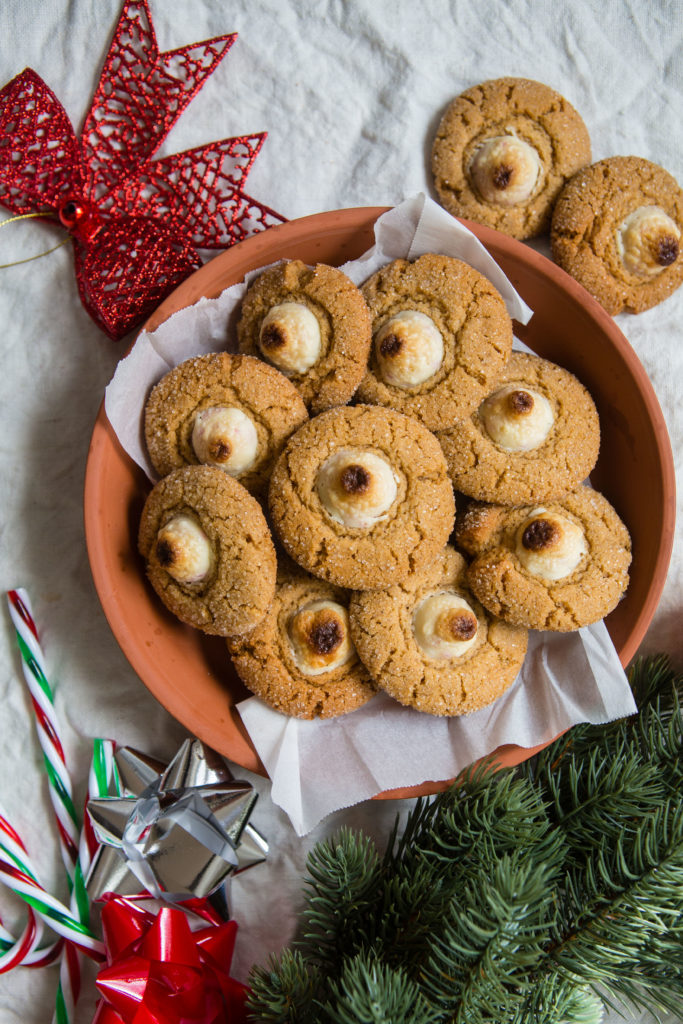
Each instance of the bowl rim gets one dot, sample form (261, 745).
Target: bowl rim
(356, 219)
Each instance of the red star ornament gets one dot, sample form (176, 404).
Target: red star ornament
(135, 222)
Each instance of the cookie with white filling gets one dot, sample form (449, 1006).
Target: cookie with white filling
(616, 229)
(208, 550)
(229, 411)
(535, 437)
(432, 646)
(313, 325)
(441, 336)
(556, 566)
(503, 151)
(301, 659)
(360, 496)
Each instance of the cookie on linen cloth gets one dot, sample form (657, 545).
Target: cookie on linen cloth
(441, 336)
(360, 496)
(556, 566)
(208, 550)
(432, 646)
(503, 151)
(312, 323)
(231, 412)
(300, 659)
(617, 230)
(534, 438)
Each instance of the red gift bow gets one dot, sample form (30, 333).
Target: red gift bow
(135, 222)
(160, 972)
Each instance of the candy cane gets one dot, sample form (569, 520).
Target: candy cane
(26, 950)
(20, 879)
(33, 665)
(102, 769)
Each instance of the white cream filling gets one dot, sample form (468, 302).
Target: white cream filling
(504, 170)
(357, 488)
(290, 337)
(184, 550)
(639, 237)
(562, 552)
(408, 348)
(319, 637)
(225, 437)
(438, 622)
(517, 418)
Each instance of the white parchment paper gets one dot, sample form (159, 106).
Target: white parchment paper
(317, 767)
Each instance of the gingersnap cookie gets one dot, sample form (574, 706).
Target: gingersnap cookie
(313, 325)
(616, 229)
(228, 411)
(301, 659)
(503, 151)
(431, 645)
(441, 336)
(208, 550)
(535, 437)
(360, 497)
(556, 566)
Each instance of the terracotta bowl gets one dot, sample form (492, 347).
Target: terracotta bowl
(190, 673)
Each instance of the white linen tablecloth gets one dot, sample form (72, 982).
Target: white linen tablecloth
(350, 94)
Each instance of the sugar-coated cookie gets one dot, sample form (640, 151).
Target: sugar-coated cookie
(556, 566)
(535, 437)
(616, 229)
(360, 496)
(229, 411)
(503, 151)
(312, 323)
(301, 659)
(208, 550)
(431, 645)
(441, 336)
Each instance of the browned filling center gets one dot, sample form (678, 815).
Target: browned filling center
(666, 250)
(166, 554)
(462, 625)
(520, 402)
(272, 337)
(355, 480)
(325, 634)
(501, 176)
(220, 451)
(390, 345)
(540, 534)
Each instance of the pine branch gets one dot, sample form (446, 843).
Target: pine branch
(525, 897)
(370, 992)
(345, 880)
(284, 992)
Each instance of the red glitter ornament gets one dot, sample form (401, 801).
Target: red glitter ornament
(135, 223)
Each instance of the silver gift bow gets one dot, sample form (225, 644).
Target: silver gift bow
(179, 831)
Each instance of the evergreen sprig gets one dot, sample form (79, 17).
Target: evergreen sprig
(526, 896)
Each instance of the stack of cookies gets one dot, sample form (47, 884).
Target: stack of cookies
(514, 154)
(307, 504)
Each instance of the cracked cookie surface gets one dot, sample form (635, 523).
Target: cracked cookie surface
(233, 593)
(616, 229)
(322, 336)
(503, 151)
(267, 660)
(405, 513)
(578, 548)
(388, 630)
(467, 315)
(483, 468)
(265, 408)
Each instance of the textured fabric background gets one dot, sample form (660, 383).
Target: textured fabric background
(350, 94)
